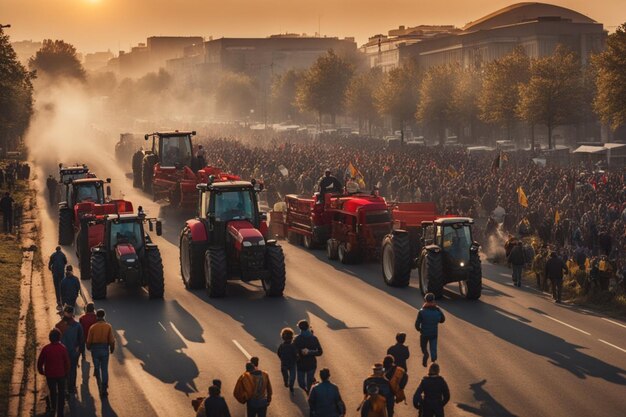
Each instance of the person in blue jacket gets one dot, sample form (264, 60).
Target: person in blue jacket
(427, 324)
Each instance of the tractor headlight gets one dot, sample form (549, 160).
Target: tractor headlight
(462, 264)
(261, 242)
(130, 260)
(246, 244)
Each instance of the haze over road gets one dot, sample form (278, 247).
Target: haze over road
(513, 353)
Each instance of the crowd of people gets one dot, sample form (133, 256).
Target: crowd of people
(11, 212)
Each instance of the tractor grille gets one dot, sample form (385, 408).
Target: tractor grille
(252, 258)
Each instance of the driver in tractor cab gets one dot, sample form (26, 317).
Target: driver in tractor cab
(328, 184)
(172, 156)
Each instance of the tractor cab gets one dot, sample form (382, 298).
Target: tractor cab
(453, 235)
(70, 173)
(173, 149)
(89, 190)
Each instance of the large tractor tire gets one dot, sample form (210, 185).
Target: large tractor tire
(147, 171)
(191, 261)
(431, 274)
(346, 256)
(98, 276)
(396, 259)
(84, 253)
(332, 249)
(215, 273)
(137, 165)
(66, 226)
(475, 281)
(274, 285)
(154, 274)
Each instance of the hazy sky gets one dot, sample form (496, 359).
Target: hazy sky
(108, 24)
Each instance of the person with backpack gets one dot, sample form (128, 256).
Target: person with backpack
(384, 389)
(325, 399)
(309, 349)
(214, 405)
(432, 394)
(253, 389)
(54, 364)
(72, 338)
(374, 404)
(400, 351)
(427, 324)
(397, 378)
(288, 354)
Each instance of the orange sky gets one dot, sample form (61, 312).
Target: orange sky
(104, 24)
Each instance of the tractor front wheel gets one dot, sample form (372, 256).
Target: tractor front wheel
(475, 281)
(98, 276)
(431, 274)
(274, 285)
(396, 259)
(147, 170)
(215, 272)
(66, 226)
(154, 274)
(84, 253)
(345, 255)
(191, 261)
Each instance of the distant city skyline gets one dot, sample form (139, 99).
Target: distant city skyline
(100, 25)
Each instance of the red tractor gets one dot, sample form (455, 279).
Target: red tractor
(350, 226)
(125, 254)
(229, 240)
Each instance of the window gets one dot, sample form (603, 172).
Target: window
(457, 240)
(375, 217)
(89, 193)
(233, 205)
(175, 150)
(126, 232)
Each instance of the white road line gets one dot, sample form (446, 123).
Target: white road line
(565, 324)
(612, 345)
(163, 327)
(614, 322)
(245, 352)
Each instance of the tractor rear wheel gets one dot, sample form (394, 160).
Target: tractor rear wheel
(331, 249)
(137, 174)
(98, 276)
(66, 226)
(431, 274)
(396, 259)
(274, 285)
(346, 256)
(215, 272)
(475, 281)
(154, 274)
(191, 261)
(84, 253)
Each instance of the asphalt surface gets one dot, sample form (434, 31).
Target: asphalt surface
(512, 353)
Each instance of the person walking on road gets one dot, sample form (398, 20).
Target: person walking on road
(86, 321)
(374, 404)
(555, 267)
(72, 338)
(214, 405)
(325, 399)
(400, 351)
(432, 394)
(101, 343)
(309, 348)
(70, 287)
(6, 205)
(397, 378)
(378, 378)
(427, 324)
(253, 388)
(51, 185)
(56, 265)
(54, 364)
(517, 261)
(288, 354)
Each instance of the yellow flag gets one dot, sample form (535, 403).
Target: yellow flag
(521, 197)
(587, 264)
(557, 217)
(356, 174)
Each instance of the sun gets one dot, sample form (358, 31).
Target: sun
(93, 1)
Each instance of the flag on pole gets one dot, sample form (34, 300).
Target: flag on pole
(356, 174)
(557, 217)
(521, 197)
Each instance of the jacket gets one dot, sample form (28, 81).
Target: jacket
(554, 268)
(288, 354)
(400, 354)
(86, 321)
(57, 263)
(374, 406)
(398, 379)
(428, 319)
(248, 388)
(53, 362)
(213, 407)
(436, 393)
(70, 288)
(384, 389)
(101, 333)
(325, 400)
(306, 340)
(516, 257)
(72, 336)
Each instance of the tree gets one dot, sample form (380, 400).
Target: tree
(284, 89)
(610, 65)
(324, 85)
(57, 59)
(500, 93)
(360, 100)
(236, 95)
(465, 98)
(553, 95)
(398, 94)
(16, 94)
(436, 107)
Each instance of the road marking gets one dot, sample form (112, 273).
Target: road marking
(612, 345)
(565, 324)
(245, 352)
(614, 322)
(163, 327)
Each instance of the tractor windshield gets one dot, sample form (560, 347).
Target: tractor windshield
(457, 239)
(126, 232)
(89, 193)
(175, 150)
(234, 205)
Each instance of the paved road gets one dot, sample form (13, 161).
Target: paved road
(513, 353)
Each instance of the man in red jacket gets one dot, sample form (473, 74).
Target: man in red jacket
(86, 321)
(54, 364)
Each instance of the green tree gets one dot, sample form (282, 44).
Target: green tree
(360, 98)
(466, 96)
(284, 90)
(610, 66)
(436, 106)
(57, 59)
(553, 95)
(236, 95)
(324, 86)
(398, 95)
(500, 93)
(16, 95)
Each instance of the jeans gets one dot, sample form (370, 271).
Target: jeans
(255, 411)
(56, 279)
(517, 274)
(100, 358)
(557, 286)
(425, 341)
(8, 222)
(71, 376)
(289, 375)
(305, 379)
(56, 389)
